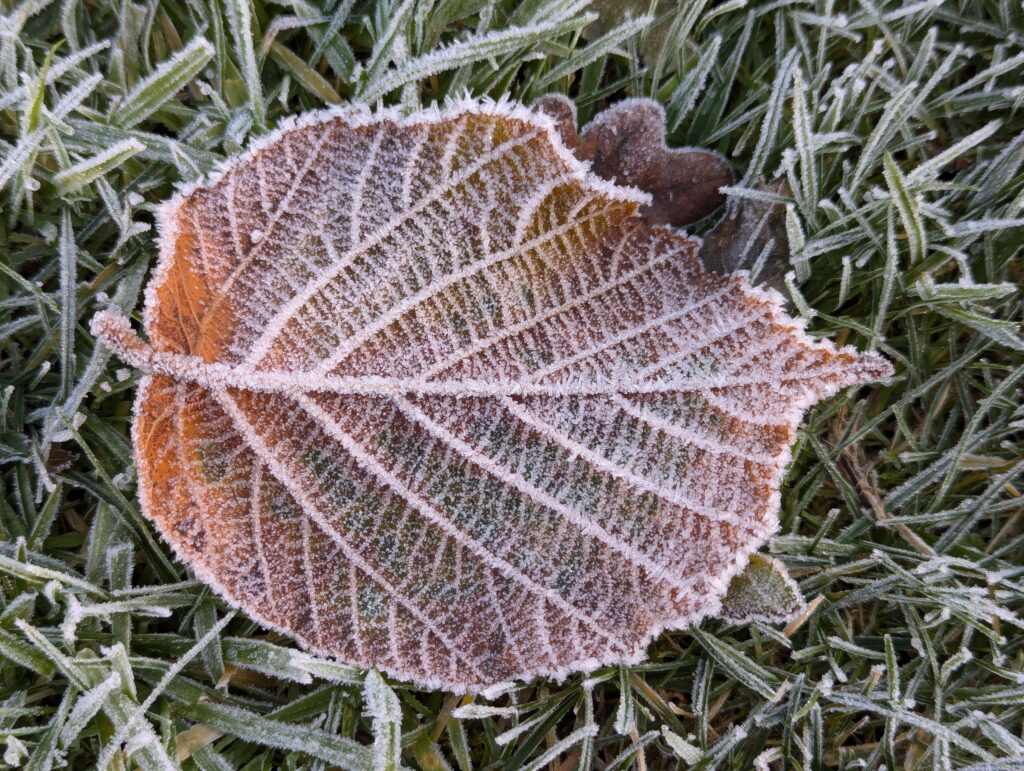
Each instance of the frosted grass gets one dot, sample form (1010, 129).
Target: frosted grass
(932, 447)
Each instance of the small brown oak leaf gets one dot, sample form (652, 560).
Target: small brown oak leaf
(626, 144)
(427, 394)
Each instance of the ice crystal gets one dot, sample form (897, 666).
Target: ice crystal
(460, 413)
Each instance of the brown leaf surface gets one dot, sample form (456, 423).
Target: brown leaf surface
(427, 394)
(626, 144)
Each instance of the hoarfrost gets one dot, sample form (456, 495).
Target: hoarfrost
(14, 751)
(85, 709)
(383, 706)
(460, 413)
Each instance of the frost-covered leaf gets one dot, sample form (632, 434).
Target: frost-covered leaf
(429, 395)
(763, 591)
(626, 144)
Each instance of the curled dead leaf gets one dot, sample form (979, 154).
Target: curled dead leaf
(427, 394)
(626, 144)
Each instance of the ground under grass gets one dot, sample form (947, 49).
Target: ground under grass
(899, 130)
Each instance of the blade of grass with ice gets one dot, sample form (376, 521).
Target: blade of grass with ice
(163, 84)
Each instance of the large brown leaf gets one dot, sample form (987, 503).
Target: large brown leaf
(427, 394)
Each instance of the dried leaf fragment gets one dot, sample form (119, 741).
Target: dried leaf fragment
(428, 394)
(626, 144)
(752, 237)
(763, 591)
